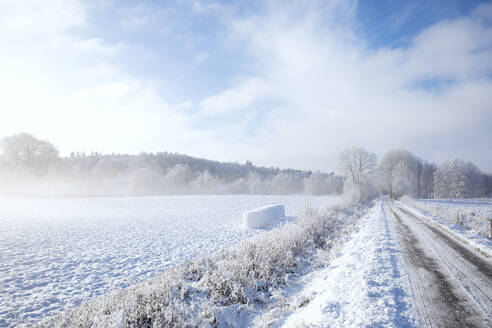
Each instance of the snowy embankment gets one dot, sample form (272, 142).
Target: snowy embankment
(227, 289)
(58, 252)
(445, 218)
(365, 285)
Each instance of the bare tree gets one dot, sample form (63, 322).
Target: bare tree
(357, 164)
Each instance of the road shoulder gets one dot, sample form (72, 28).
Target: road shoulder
(365, 285)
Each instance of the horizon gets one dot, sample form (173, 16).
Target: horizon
(282, 85)
(334, 171)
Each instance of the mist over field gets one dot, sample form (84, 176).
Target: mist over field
(33, 167)
(29, 166)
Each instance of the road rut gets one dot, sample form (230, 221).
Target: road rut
(452, 284)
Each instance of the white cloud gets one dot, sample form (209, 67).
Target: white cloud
(69, 88)
(113, 90)
(310, 86)
(121, 116)
(199, 59)
(459, 50)
(201, 7)
(240, 96)
(41, 17)
(64, 44)
(483, 12)
(98, 46)
(338, 93)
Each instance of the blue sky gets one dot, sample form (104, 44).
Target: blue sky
(281, 83)
(386, 23)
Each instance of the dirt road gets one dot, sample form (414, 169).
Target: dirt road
(452, 284)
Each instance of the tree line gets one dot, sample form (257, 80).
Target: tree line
(399, 172)
(34, 166)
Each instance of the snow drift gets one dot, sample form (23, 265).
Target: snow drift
(263, 216)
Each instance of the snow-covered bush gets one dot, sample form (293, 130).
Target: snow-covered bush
(223, 289)
(364, 193)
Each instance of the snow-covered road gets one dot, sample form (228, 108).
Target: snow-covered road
(451, 283)
(364, 285)
(396, 270)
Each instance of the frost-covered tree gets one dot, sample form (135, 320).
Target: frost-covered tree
(257, 185)
(425, 176)
(206, 183)
(26, 151)
(144, 181)
(405, 177)
(23, 157)
(398, 173)
(286, 184)
(240, 186)
(106, 168)
(459, 179)
(178, 178)
(357, 164)
(488, 185)
(315, 184)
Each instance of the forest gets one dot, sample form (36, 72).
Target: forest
(30, 166)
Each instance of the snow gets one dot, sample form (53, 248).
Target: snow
(366, 285)
(58, 252)
(263, 216)
(482, 208)
(468, 202)
(451, 283)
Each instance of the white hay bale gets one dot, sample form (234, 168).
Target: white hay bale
(263, 216)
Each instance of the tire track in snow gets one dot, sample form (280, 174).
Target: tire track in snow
(449, 279)
(473, 272)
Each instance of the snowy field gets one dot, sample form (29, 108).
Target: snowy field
(471, 214)
(479, 207)
(468, 219)
(58, 252)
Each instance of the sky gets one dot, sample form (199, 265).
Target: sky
(280, 83)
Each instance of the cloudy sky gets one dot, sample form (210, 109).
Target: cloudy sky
(285, 84)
